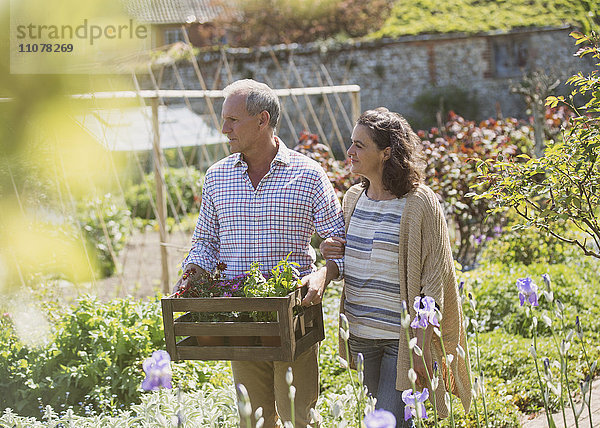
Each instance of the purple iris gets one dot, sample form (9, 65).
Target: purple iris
(412, 400)
(425, 308)
(380, 418)
(527, 291)
(158, 371)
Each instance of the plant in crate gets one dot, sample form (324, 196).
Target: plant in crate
(284, 279)
(274, 325)
(213, 285)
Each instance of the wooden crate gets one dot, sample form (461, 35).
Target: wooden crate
(282, 340)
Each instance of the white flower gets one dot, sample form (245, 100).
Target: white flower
(570, 335)
(564, 347)
(418, 351)
(344, 334)
(344, 320)
(315, 416)
(532, 351)
(547, 320)
(244, 401)
(343, 362)
(337, 408)
(460, 352)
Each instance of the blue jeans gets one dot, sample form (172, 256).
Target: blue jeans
(381, 356)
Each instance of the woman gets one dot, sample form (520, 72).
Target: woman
(396, 248)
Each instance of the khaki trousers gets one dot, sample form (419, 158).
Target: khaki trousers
(266, 385)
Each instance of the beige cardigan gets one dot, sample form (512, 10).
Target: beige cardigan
(426, 266)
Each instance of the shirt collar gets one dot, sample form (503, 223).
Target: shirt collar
(282, 156)
(283, 153)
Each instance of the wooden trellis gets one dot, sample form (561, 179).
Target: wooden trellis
(326, 109)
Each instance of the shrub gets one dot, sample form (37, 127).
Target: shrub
(466, 16)
(299, 21)
(494, 288)
(93, 362)
(338, 171)
(442, 100)
(452, 172)
(106, 225)
(184, 189)
(517, 245)
(560, 192)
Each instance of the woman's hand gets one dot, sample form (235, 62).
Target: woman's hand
(332, 248)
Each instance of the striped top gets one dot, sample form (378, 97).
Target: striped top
(239, 224)
(371, 269)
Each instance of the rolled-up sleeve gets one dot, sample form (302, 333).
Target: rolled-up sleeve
(328, 217)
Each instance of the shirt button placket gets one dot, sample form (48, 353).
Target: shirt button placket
(256, 218)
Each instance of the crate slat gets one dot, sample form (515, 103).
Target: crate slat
(226, 329)
(296, 333)
(228, 304)
(249, 353)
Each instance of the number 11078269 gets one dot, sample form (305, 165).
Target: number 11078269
(45, 47)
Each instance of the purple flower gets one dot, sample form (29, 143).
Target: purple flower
(527, 291)
(425, 308)
(411, 401)
(158, 371)
(380, 418)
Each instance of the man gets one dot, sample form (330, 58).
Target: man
(259, 204)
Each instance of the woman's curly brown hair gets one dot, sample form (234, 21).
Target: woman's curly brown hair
(404, 170)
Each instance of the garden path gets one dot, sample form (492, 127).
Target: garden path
(141, 265)
(540, 420)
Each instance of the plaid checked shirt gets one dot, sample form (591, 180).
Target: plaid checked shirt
(239, 224)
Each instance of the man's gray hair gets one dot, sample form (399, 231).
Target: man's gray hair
(259, 97)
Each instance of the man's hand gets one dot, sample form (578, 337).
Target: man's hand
(190, 273)
(317, 282)
(332, 248)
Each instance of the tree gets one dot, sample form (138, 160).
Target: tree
(559, 193)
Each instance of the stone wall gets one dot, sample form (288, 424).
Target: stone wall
(394, 72)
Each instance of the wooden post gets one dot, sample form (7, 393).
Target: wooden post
(161, 196)
(355, 105)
